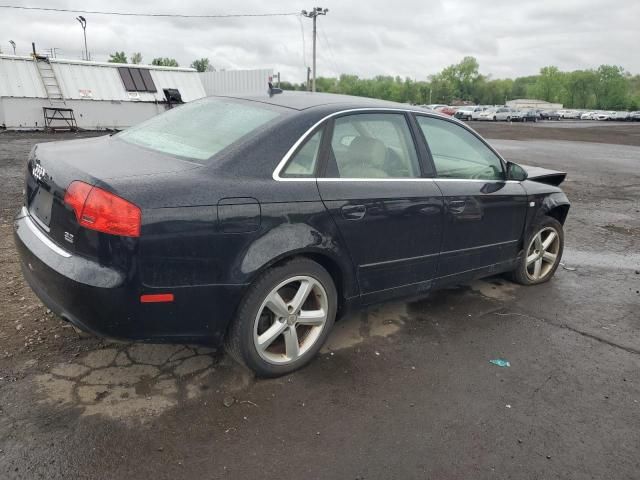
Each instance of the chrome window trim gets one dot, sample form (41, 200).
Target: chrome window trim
(322, 179)
(408, 180)
(276, 173)
(41, 236)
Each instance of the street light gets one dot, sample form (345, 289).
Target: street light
(83, 24)
(13, 44)
(314, 15)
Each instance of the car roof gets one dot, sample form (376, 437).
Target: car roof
(296, 100)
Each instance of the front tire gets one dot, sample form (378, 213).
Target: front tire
(542, 253)
(284, 319)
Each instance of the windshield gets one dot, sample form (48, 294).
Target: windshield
(200, 129)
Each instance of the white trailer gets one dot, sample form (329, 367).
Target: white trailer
(100, 95)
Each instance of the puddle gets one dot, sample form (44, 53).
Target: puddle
(621, 229)
(138, 380)
(382, 321)
(626, 261)
(495, 288)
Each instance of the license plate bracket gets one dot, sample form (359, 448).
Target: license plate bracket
(41, 206)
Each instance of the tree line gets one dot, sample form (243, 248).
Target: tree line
(201, 64)
(608, 87)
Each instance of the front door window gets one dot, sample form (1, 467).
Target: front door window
(457, 153)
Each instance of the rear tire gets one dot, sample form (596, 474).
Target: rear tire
(541, 254)
(284, 318)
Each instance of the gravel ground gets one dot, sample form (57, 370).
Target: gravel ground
(402, 390)
(618, 133)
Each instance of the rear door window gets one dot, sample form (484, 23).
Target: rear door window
(374, 145)
(303, 163)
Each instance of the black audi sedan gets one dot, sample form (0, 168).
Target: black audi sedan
(254, 222)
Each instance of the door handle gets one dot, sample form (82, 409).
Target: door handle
(353, 212)
(457, 206)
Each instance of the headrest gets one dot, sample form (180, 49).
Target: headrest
(368, 151)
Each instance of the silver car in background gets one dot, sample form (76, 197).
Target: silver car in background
(507, 114)
(622, 116)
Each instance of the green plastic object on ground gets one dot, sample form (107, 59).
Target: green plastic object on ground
(501, 362)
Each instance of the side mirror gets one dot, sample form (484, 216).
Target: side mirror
(516, 172)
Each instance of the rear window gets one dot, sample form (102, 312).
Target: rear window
(200, 129)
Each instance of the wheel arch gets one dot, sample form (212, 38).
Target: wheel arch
(559, 212)
(341, 273)
(555, 205)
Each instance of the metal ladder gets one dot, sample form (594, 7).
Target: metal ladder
(50, 82)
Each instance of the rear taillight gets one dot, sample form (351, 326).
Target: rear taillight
(103, 211)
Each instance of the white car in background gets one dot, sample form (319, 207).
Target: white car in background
(466, 112)
(603, 116)
(488, 114)
(479, 111)
(574, 114)
(621, 116)
(588, 116)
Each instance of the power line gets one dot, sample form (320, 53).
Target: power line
(331, 55)
(304, 43)
(132, 14)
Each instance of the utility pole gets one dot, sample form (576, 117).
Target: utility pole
(308, 79)
(314, 15)
(83, 24)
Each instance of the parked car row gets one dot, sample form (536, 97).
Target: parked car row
(509, 114)
(506, 114)
(609, 115)
(486, 112)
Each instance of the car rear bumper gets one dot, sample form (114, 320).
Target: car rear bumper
(105, 302)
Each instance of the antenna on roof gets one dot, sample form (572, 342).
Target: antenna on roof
(273, 90)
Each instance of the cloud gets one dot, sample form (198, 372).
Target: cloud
(412, 38)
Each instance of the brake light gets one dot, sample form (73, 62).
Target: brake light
(103, 211)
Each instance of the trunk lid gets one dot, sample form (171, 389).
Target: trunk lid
(97, 161)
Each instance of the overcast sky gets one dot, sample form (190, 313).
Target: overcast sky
(413, 38)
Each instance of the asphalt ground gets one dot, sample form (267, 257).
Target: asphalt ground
(402, 390)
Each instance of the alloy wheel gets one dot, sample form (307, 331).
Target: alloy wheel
(290, 320)
(542, 253)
